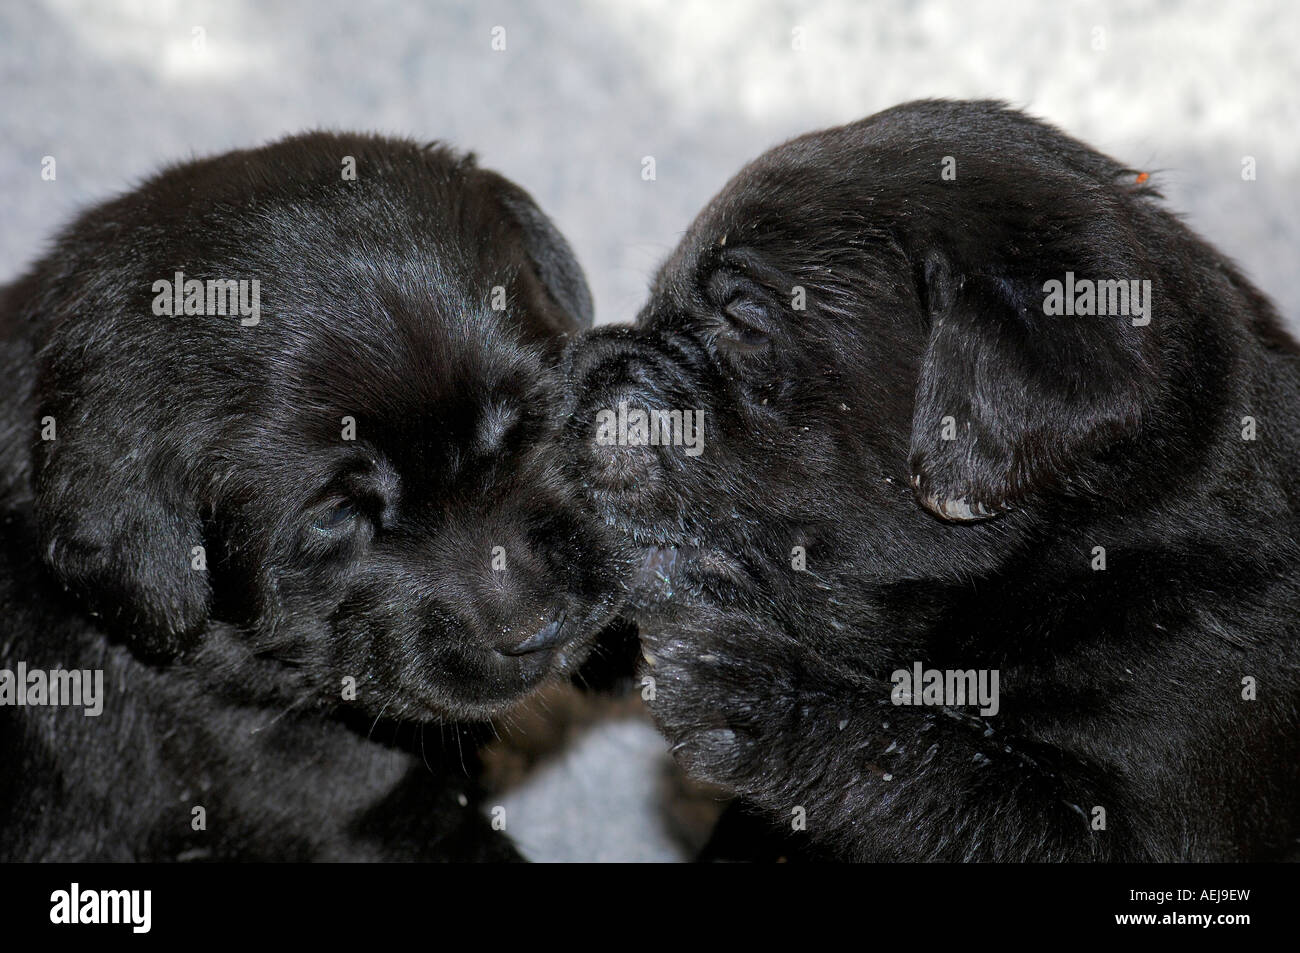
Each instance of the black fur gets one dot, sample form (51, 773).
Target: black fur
(327, 559)
(1120, 689)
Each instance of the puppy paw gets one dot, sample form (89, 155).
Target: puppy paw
(725, 705)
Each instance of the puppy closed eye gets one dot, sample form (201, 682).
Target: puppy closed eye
(338, 526)
(745, 333)
(355, 505)
(337, 520)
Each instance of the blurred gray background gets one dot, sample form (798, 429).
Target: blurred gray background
(584, 90)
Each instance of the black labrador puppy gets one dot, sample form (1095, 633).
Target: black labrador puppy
(988, 548)
(279, 488)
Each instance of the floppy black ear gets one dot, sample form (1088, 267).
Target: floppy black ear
(553, 260)
(117, 526)
(1013, 401)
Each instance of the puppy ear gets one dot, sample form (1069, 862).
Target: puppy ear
(119, 530)
(1013, 401)
(553, 260)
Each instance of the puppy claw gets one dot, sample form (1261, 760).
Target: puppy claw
(960, 509)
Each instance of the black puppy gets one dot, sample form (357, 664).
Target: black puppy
(278, 461)
(943, 445)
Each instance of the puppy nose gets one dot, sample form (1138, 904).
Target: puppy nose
(547, 637)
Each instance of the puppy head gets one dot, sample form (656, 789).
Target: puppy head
(340, 481)
(868, 340)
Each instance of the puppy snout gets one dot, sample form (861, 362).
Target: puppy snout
(612, 383)
(616, 455)
(621, 468)
(545, 638)
(600, 360)
(512, 599)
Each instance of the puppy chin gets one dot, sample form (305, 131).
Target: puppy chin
(496, 684)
